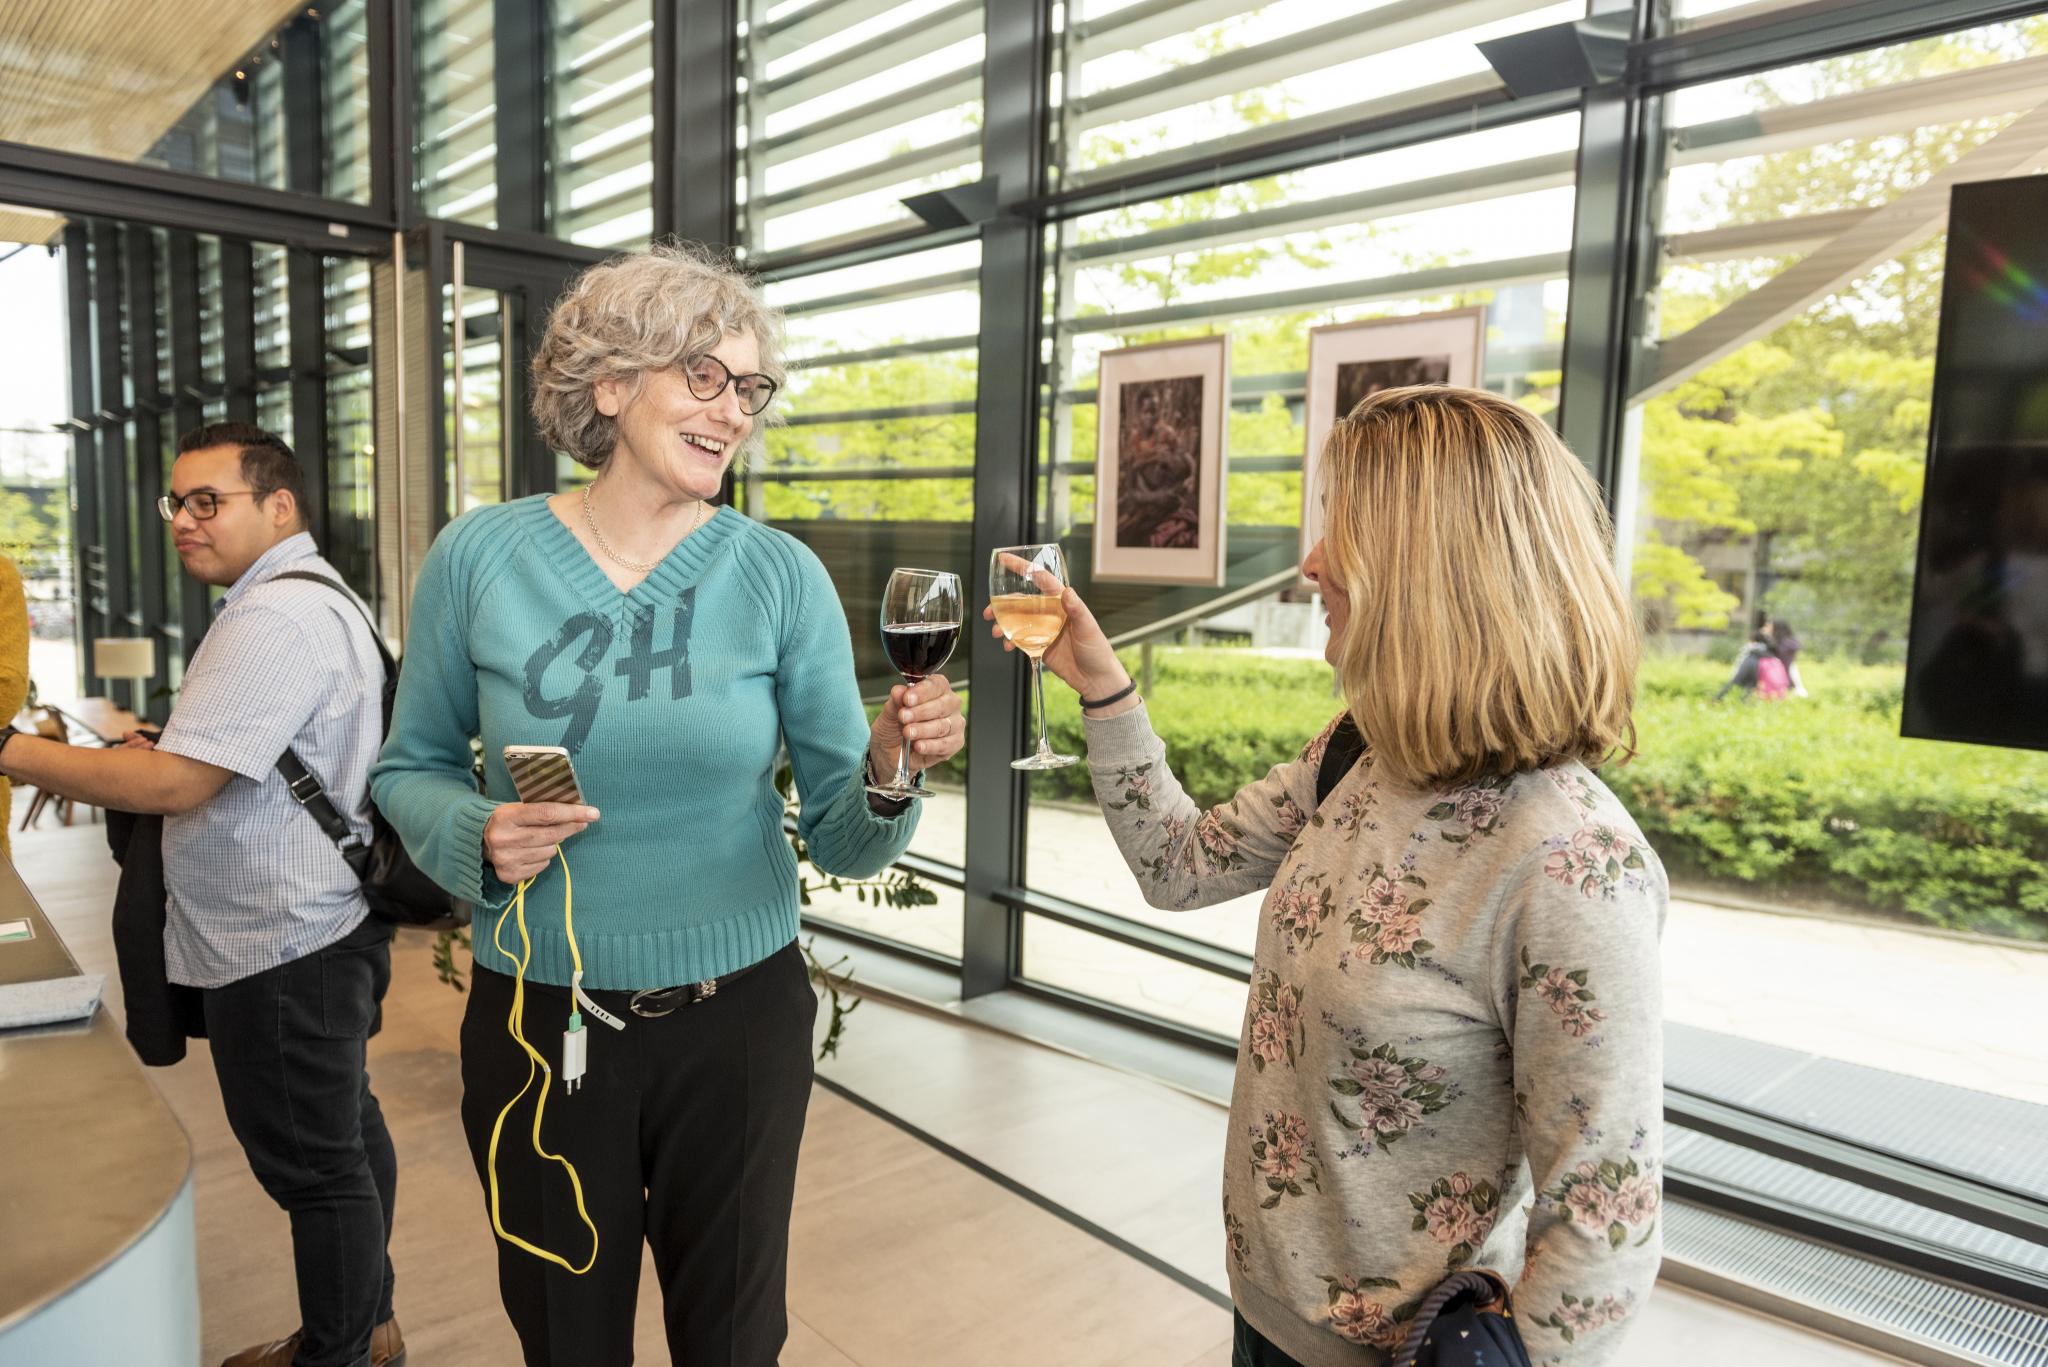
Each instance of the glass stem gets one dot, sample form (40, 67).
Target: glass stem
(902, 760)
(1038, 686)
(902, 777)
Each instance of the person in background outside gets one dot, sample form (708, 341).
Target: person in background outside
(1785, 645)
(1744, 675)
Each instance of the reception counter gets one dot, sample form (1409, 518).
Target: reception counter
(97, 1264)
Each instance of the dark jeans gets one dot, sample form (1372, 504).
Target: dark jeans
(1249, 1348)
(289, 1047)
(684, 1135)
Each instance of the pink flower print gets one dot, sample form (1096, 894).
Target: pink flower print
(1269, 1042)
(1288, 818)
(1281, 1161)
(1449, 1220)
(1218, 840)
(1459, 1221)
(1588, 1170)
(1562, 866)
(1590, 1204)
(1572, 786)
(1299, 911)
(1577, 1315)
(1381, 1079)
(1599, 842)
(1284, 1155)
(1579, 1022)
(1312, 753)
(1287, 1011)
(1386, 921)
(1392, 1094)
(1384, 901)
(1275, 1031)
(1477, 807)
(1287, 1148)
(1637, 1200)
(1398, 937)
(1356, 1318)
(1558, 990)
(1392, 1116)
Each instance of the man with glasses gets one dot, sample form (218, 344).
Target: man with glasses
(263, 914)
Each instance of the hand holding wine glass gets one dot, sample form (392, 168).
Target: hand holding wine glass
(921, 612)
(1081, 656)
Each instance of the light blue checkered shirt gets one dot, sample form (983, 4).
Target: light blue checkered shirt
(253, 880)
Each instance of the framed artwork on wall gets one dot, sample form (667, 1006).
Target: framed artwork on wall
(1159, 463)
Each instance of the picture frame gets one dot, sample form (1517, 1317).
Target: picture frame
(1160, 463)
(1348, 361)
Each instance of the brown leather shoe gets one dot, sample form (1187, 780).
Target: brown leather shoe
(387, 1345)
(387, 1349)
(278, 1354)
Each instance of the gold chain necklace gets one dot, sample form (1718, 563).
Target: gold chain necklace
(590, 521)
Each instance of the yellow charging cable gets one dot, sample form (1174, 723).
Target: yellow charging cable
(536, 1065)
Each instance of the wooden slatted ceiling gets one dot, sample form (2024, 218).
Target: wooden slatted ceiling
(28, 225)
(106, 77)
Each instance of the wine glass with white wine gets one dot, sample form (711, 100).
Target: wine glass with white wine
(1025, 584)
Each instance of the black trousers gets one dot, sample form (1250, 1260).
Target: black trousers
(289, 1046)
(684, 1133)
(1250, 1348)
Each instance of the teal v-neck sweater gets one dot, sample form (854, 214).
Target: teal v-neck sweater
(673, 701)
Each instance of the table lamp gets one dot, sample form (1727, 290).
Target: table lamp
(127, 657)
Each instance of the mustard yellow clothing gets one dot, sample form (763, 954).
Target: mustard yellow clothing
(13, 671)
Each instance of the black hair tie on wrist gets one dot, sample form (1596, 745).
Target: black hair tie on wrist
(1092, 704)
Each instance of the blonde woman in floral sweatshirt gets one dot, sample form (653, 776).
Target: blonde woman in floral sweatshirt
(1452, 1048)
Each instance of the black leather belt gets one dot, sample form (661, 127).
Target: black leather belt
(654, 1002)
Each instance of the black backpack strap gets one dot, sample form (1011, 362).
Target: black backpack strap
(304, 787)
(307, 792)
(1345, 747)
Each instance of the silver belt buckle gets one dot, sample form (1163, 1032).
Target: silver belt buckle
(656, 1002)
(652, 1002)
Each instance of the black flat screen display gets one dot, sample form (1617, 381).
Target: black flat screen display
(1977, 655)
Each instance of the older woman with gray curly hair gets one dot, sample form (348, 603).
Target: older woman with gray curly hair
(673, 650)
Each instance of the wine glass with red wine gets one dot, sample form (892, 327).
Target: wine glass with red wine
(920, 626)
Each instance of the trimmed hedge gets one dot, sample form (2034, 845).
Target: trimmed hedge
(1809, 797)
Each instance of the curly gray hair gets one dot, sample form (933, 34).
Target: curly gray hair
(638, 313)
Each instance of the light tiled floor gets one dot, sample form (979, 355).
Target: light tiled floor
(900, 1256)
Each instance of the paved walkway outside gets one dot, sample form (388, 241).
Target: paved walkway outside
(1948, 1010)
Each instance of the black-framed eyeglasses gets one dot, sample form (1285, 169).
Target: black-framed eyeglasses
(201, 503)
(708, 376)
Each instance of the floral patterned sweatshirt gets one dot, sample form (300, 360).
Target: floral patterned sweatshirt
(1453, 1047)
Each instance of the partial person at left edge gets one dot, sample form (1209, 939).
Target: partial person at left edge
(263, 914)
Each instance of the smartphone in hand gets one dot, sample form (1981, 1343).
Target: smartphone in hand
(542, 773)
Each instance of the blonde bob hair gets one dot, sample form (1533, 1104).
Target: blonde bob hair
(1488, 632)
(635, 314)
